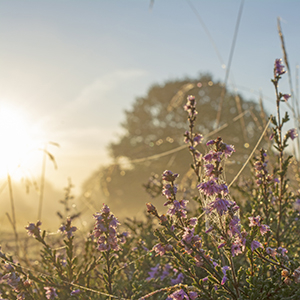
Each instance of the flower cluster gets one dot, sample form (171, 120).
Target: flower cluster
(67, 228)
(176, 208)
(105, 230)
(50, 292)
(214, 189)
(34, 229)
(181, 295)
(278, 67)
(191, 138)
(255, 222)
(260, 167)
(190, 107)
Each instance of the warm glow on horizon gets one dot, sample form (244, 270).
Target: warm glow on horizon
(17, 142)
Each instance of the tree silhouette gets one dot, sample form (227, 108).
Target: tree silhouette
(155, 126)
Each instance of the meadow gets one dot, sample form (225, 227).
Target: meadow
(214, 240)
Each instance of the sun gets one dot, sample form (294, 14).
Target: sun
(16, 140)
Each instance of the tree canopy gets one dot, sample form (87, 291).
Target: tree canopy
(155, 126)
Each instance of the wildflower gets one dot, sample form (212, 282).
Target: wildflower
(209, 168)
(50, 292)
(211, 187)
(221, 245)
(178, 279)
(193, 295)
(188, 235)
(178, 208)
(178, 295)
(169, 191)
(292, 133)
(255, 245)
(75, 292)
(193, 222)
(151, 208)
(271, 251)
(11, 278)
(105, 230)
(161, 250)
(282, 251)
(197, 139)
(220, 205)
(236, 249)
(33, 229)
(211, 142)
(67, 228)
(229, 149)
(166, 271)
(286, 97)
(278, 67)
(153, 272)
(224, 270)
(255, 221)
(169, 176)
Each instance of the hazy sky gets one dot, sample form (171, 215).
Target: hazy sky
(70, 68)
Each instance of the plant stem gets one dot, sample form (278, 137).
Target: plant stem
(280, 147)
(42, 183)
(13, 212)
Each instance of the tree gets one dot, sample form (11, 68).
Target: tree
(155, 126)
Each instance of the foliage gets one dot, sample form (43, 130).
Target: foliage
(155, 125)
(222, 249)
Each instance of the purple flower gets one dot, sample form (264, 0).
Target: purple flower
(236, 249)
(229, 149)
(188, 235)
(271, 251)
(254, 221)
(255, 245)
(220, 205)
(169, 176)
(179, 295)
(209, 170)
(278, 67)
(178, 208)
(193, 222)
(178, 279)
(197, 139)
(161, 250)
(224, 270)
(153, 272)
(211, 142)
(292, 133)
(105, 230)
(193, 295)
(75, 292)
(282, 251)
(211, 187)
(166, 272)
(67, 228)
(286, 97)
(50, 292)
(264, 229)
(33, 229)
(234, 226)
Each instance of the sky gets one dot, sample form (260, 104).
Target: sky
(70, 68)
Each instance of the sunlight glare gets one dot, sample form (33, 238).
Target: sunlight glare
(16, 141)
